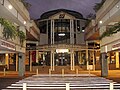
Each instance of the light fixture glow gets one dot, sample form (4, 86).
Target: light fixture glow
(24, 22)
(117, 6)
(10, 6)
(6, 54)
(100, 22)
(83, 30)
(61, 34)
(62, 50)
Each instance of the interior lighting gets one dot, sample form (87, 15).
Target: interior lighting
(24, 22)
(62, 50)
(10, 6)
(100, 22)
(6, 54)
(117, 6)
(83, 30)
(61, 34)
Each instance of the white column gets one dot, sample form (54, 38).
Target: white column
(21, 64)
(87, 55)
(53, 62)
(117, 60)
(47, 31)
(51, 32)
(71, 32)
(16, 61)
(51, 57)
(73, 60)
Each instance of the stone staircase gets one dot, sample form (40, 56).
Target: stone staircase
(58, 82)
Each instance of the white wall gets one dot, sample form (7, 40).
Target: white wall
(43, 39)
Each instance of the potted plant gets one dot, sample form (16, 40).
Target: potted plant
(22, 36)
(112, 30)
(9, 30)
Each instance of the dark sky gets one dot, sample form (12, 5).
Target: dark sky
(38, 7)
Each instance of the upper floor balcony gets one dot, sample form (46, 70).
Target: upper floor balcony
(15, 11)
(91, 31)
(33, 33)
(109, 12)
(12, 38)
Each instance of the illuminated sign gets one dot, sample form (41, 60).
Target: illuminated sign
(62, 50)
(7, 45)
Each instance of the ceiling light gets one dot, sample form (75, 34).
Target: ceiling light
(83, 30)
(61, 34)
(117, 6)
(10, 6)
(100, 22)
(24, 22)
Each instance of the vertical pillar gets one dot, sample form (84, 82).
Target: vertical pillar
(47, 31)
(117, 60)
(73, 60)
(51, 56)
(21, 64)
(87, 55)
(93, 60)
(108, 59)
(30, 61)
(7, 60)
(51, 32)
(80, 58)
(16, 61)
(104, 70)
(53, 62)
(37, 54)
(71, 32)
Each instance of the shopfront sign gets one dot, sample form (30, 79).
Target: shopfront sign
(7, 45)
(116, 46)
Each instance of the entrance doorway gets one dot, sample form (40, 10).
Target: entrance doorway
(62, 59)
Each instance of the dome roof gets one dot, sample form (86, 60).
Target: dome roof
(46, 15)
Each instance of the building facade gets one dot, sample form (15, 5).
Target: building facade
(107, 27)
(16, 28)
(62, 39)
